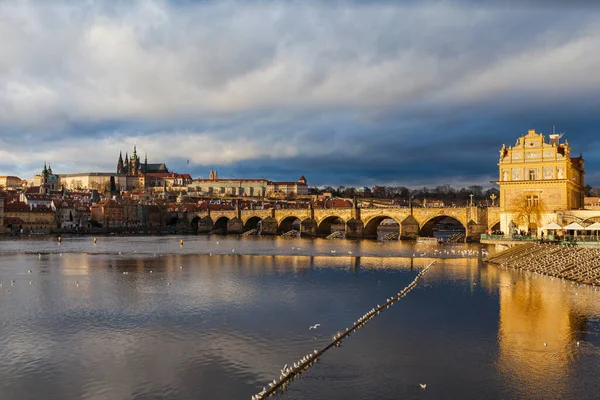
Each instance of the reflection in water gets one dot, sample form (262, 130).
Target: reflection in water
(541, 321)
(96, 324)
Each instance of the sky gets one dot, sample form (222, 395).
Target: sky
(353, 93)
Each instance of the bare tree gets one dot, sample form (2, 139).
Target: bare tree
(527, 210)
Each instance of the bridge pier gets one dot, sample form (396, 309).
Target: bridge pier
(205, 225)
(354, 228)
(235, 225)
(308, 227)
(474, 231)
(409, 228)
(269, 226)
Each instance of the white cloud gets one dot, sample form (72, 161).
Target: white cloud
(153, 59)
(175, 66)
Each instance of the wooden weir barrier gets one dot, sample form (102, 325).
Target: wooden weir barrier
(297, 368)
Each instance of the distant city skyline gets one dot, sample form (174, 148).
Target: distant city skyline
(345, 93)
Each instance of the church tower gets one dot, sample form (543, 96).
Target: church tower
(133, 163)
(120, 164)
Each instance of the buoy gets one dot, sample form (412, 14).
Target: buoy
(181, 242)
(95, 240)
(59, 239)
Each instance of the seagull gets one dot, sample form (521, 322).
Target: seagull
(423, 386)
(315, 326)
(577, 344)
(29, 271)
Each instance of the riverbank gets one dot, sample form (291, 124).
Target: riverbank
(579, 264)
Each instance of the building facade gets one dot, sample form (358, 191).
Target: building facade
(538, 177)
(298, 188)
(10, 182)
(214, 186)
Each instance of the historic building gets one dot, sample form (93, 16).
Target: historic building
(133, 167)
(10, 182)
(49, 181)
(298, 188)
(214, 186)
(538, 178)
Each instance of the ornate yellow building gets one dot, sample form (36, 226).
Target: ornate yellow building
(538, 172)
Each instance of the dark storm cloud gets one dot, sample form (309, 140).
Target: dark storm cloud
(352, 93)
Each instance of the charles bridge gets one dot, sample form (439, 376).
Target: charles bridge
(358, 222)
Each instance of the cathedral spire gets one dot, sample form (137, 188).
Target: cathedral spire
(120, 163)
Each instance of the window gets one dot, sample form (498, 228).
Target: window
(533, 200)
(532, 174)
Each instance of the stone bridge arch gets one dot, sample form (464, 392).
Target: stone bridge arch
(289, 222)
(252, 222)
(372, 224)
(494, 226)
(221, 223)
(325, 225)
(428, 224)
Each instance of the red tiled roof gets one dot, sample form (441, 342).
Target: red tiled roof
(231, 180)
(33, 190)
(286, 183)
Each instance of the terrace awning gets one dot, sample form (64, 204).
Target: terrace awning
(551, 225)
(573, 226)
(593, 227)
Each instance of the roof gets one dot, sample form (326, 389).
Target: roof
(90, 174)
(287, 183)
(32, 190)
(16, 206)
(156, 167)
(231, 180)
(38, 197)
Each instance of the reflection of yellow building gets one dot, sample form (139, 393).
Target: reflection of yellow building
(536, 335)
(541, 172)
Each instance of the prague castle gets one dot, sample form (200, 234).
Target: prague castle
(538, 173)
(131, 174)
(133, 167)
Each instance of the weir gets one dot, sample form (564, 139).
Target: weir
(575, 263)
(297, 368)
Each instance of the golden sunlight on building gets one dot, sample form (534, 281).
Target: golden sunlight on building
(536, 179)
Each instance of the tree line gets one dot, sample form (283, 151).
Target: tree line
(446, 193)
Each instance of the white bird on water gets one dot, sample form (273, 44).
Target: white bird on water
(423, 386)
(315, 326)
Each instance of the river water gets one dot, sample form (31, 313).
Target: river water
(219, 317)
